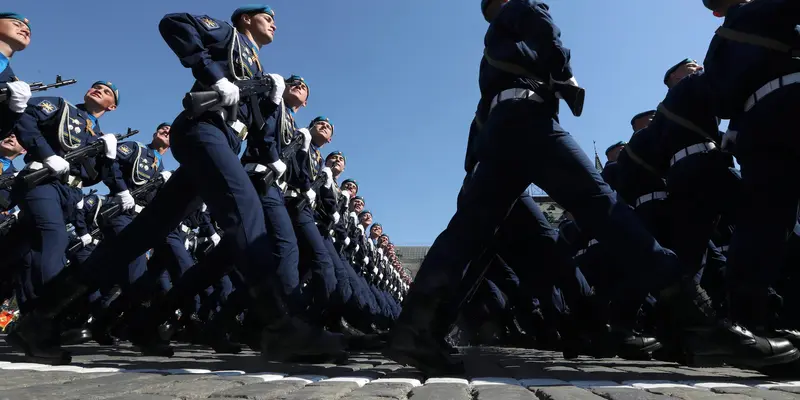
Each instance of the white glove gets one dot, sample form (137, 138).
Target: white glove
(215, 238)
(354, 217)
(126, 200)
(110, 142)
(311, 196)
(357, 247)
(329, 175)
(86, 239)
(279, 167)
(276, 95)
(346, 241)
(166, 175)
(79, 205)
(57, 164)
(346, 193)
(228, 92)
(366, 260)
(375, 270)
(360, 228)
(19, 94)
(336, 218)
(306, 138)
(380, 251)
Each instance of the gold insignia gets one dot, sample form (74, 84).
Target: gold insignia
(47, 107)
(208, 23)
(124, 149)
(90, 202)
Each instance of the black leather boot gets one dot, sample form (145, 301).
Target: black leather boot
(414, 340)
(708, 340)
(287, 338)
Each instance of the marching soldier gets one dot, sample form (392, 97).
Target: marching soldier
(15, 36)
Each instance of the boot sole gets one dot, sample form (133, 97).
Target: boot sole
(18, 343)
(403, 358)
(714, 361)
(643, 354)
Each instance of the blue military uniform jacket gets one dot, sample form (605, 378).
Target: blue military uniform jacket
(523, 36)
(138, 163)
(736, 69)
(282, 129)
(8, 118)
(641, 165)
(686, 115)
(201, 219)
(213, 50)
(610, 174)
(52, 126)
(86, 220)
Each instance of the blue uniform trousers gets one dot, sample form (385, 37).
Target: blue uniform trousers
(285, 255)
(314, 256)
(46, 208)
(362, 296)
(138, 266)
(343, 290)
(210, 172)
(767, 148)
(701, 188)
(544, 154)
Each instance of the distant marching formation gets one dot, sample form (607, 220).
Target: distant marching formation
(267, 250)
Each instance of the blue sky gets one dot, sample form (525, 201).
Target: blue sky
(397, 79)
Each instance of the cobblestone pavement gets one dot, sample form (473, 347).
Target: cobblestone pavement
(120, 373)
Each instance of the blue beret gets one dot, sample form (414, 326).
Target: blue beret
(162, 125)
(111, 86)
(359, 198)
(320, 118)
(377, 224)
(296, 79)
(363, 213)
(338, 153)
(676, 66)
(18, 17)
(642, 114)
(252, 9)
(620, 143)
(353, 181)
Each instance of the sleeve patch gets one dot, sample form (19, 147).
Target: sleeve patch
(124, 149)
(207, 22)
(47, 107)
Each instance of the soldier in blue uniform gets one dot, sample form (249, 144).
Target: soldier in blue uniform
(314, 256)
(518, 109)
(15, 36)
(50, 128)
(207, 147)
(10, 148)
(609, 172)
(263, 153)
(753, 72)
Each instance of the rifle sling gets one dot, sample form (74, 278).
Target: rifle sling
(683, 122)
(642, 162)
(756, 40)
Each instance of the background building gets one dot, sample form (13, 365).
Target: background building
(412, 256)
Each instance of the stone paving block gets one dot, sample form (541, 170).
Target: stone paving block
(788, 389)
(757, 393)
(100, 387)
(600, 369)
(260, 391)
(388, 391)
(505, 392)
(15, 379)
(563, 393)
(441, 391)
(191, 386)
(737, 373)
(322, 391)
(696, 394)
(627, 394)
(144, 397)
(690, 373)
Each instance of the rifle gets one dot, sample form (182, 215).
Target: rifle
(196, 103)
(113, 209)
(287, 152)
(7, 181)
(79, 244)
(318, 183)
(40, 87)
(572, 95)
(9, 223)
(36, 177)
